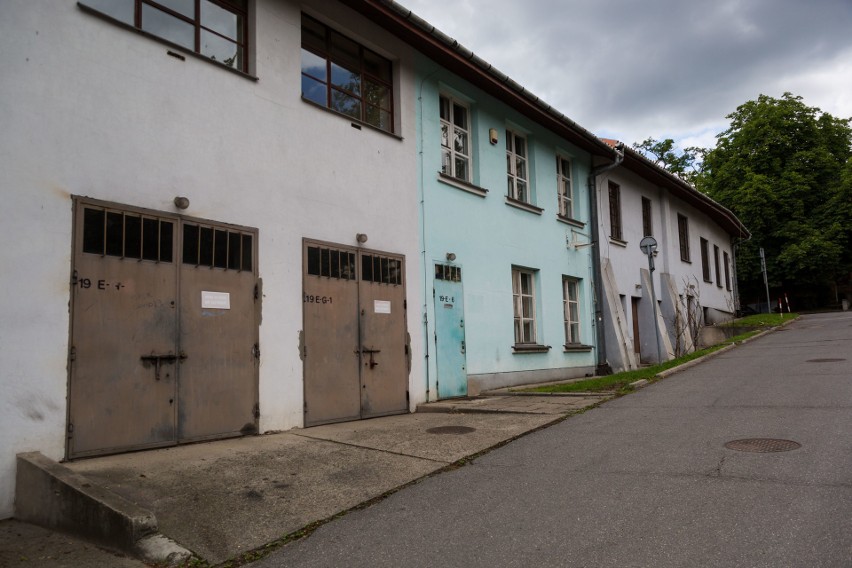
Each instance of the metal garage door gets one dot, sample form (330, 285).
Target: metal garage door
(164, 330)
(355, 345)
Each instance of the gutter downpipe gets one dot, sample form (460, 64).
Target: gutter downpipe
(735, 244)
(423, 252)
(602, 366)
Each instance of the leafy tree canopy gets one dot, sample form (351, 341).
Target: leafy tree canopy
(785, 169)
(685, 165)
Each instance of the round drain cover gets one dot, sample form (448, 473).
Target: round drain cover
(762, 445)
(451, 430)
(827, 360)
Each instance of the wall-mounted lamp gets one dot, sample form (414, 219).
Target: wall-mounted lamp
(451, 256)
(181, 202)
(492, 135)
(361, 238)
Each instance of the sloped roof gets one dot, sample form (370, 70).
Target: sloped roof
(450, 54)
(645, 168)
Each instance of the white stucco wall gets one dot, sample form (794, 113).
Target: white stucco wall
(627, 260)
(91, 109)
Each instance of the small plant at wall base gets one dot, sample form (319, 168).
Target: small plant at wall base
(688, 319)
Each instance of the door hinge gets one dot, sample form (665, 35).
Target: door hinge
(70, 427)
(255, 350)
(74, 279)
(256, 292)
(72, 354)
(405, 304)
(256, 410)
(407, 398)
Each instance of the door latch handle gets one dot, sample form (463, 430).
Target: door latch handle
(372, 352)
(158, 360)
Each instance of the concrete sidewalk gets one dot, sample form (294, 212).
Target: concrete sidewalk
(224, 499)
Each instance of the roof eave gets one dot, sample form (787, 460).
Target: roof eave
(450, 54)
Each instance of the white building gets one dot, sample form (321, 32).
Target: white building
(694, 278)
(185, 223)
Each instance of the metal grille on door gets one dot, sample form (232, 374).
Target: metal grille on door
(355, 346)
(163, 345)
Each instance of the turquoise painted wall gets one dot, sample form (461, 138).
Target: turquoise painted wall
(489, 236)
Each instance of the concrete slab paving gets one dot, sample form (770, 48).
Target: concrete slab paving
(28, 546)
(508, 403)
(221, 499)
(410, 434)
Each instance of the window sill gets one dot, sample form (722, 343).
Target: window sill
(686, 260)
(576, 348)
(462, 185)
(523, 205)
(172, 46)
(353, 121)
(708, 281)
(618, 242)
(570, 221)
(523, 348)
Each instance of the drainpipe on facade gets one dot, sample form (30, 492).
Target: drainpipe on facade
(602, 367)
(735, 243)
(425, 263)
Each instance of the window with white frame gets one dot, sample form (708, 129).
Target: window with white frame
(516, 167)
(523, 293)
(571, 309)
(455, 139)
(566, 187)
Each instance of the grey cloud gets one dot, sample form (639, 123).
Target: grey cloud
(668, 67)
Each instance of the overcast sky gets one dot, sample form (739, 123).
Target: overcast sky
(630, 69)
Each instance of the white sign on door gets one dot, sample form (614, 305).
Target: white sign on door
(381, 306)
(216, 300)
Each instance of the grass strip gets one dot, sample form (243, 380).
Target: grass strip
(620, 381)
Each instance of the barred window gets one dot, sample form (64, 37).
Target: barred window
(127, 235)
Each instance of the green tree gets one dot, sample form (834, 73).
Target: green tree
(686, 165)
(784, 169)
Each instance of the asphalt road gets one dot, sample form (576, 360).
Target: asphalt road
(644, 480)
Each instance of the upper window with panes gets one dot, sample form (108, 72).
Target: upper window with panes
(346, 77)
(455, 139)
(516, 167)
(217, 29)
(565, 189)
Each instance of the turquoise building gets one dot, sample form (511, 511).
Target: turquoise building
(506, 225)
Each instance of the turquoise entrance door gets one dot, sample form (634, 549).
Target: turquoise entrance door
(449, 332)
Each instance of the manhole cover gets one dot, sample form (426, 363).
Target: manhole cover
(451, 430)
(762, 445)
(826, 360)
